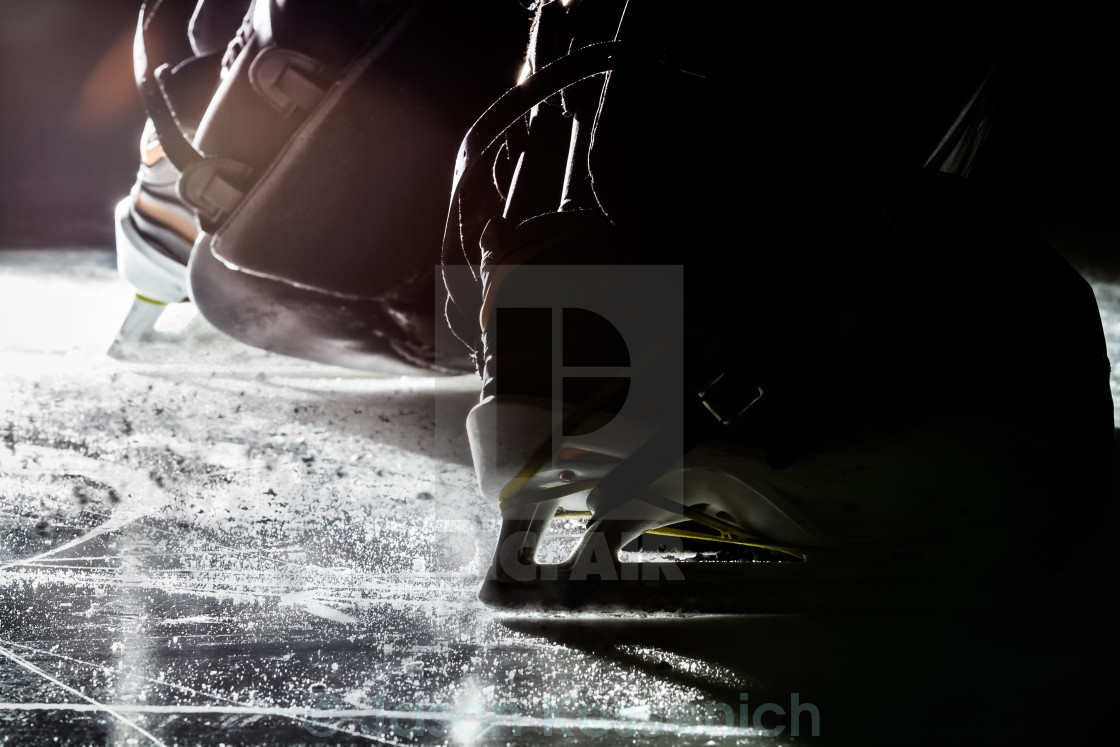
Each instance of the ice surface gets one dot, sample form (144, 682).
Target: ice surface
(210, 544)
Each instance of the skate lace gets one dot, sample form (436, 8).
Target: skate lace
(238, 42)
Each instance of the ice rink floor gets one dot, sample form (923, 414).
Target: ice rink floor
(212, 545)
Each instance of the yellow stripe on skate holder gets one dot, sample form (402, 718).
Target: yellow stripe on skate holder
(152, 301)
(728, 533)
(688, 534)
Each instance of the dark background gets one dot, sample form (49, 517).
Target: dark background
(70, 121)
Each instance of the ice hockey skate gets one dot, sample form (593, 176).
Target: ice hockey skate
(315, 175)
(826, 407)
(155, 231)
(154, 237)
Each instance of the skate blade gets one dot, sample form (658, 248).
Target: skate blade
(167, 333)
(137, 329)
(747, 588)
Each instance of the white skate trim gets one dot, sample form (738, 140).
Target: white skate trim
(509, 454)
(153, 274)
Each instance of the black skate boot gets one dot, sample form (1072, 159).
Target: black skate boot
(821, 392)
(317, 172)
(155, 231)
(321, 184)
